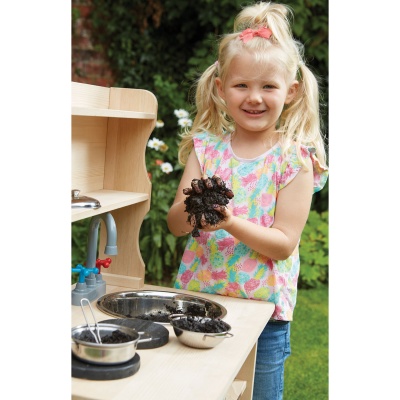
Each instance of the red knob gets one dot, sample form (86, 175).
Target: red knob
(103, 263)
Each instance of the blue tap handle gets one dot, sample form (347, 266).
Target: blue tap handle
(84, 272)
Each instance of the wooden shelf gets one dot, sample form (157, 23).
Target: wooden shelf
(109, 200)
(105, 112)
(110, 129)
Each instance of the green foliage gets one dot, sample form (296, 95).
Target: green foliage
(79, 235)
(314, 251)
(306, 370)
(160, 249)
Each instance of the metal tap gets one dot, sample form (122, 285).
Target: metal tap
(111, 246)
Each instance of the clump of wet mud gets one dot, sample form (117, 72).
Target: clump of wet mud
(201, 197)
(196, 324)
(115, 337)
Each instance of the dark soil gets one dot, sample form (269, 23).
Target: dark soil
(115, 337)
(156, 316)
(201, 197)
(191, 309)
(196, 324)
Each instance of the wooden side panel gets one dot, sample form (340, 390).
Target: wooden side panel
(125, 169)
(246, 373)
(89, 138)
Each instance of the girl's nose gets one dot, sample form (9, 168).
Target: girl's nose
(254, 97)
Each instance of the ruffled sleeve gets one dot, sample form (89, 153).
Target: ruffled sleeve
(209, 151)
(320, 172)
(200, 142)
(292, 165)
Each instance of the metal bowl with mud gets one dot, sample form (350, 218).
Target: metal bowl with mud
(200, 332)
(157, 306)
(105, 344)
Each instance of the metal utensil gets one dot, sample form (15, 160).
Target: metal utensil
(95, 331)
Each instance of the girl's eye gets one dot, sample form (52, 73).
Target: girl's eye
(269, 86)
(241, 85)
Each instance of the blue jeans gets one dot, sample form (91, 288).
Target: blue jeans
(273, 349)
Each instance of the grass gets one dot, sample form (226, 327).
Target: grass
(306, 370)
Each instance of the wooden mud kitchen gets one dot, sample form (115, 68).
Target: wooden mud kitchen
(110, 131)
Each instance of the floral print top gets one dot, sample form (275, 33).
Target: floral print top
(216, 262)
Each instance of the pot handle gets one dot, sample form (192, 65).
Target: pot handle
(143, 340)
(225, 335)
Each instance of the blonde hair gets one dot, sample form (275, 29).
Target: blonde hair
(299, 122)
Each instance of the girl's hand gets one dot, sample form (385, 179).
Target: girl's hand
(224, 223)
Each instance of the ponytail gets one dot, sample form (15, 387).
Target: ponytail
(210, 115)
(300, 120)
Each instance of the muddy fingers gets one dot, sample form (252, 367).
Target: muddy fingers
(202, 199)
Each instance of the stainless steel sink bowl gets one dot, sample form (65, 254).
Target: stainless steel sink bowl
(157, 306)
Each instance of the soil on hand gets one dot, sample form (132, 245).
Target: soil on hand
(201, 197)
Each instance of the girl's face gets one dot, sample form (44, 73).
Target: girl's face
(255, 95)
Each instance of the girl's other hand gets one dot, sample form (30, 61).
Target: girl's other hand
(227, 216)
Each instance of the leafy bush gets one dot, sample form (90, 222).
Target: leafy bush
(161, 250)
(314, 251)
(79, 238)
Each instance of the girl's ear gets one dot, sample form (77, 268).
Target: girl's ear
(292, 91)
(220, 88)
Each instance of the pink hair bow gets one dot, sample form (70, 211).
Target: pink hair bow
(249, 34)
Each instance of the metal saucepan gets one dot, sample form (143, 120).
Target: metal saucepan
(199, 340)
(86, 349)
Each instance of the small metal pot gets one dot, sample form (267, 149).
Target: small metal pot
(199, 340)
(104, 353)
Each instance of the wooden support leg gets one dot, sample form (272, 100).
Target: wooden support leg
(246, 373)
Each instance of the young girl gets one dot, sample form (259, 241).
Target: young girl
(257, 128)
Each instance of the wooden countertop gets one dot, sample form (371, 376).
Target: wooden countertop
(177, 372)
